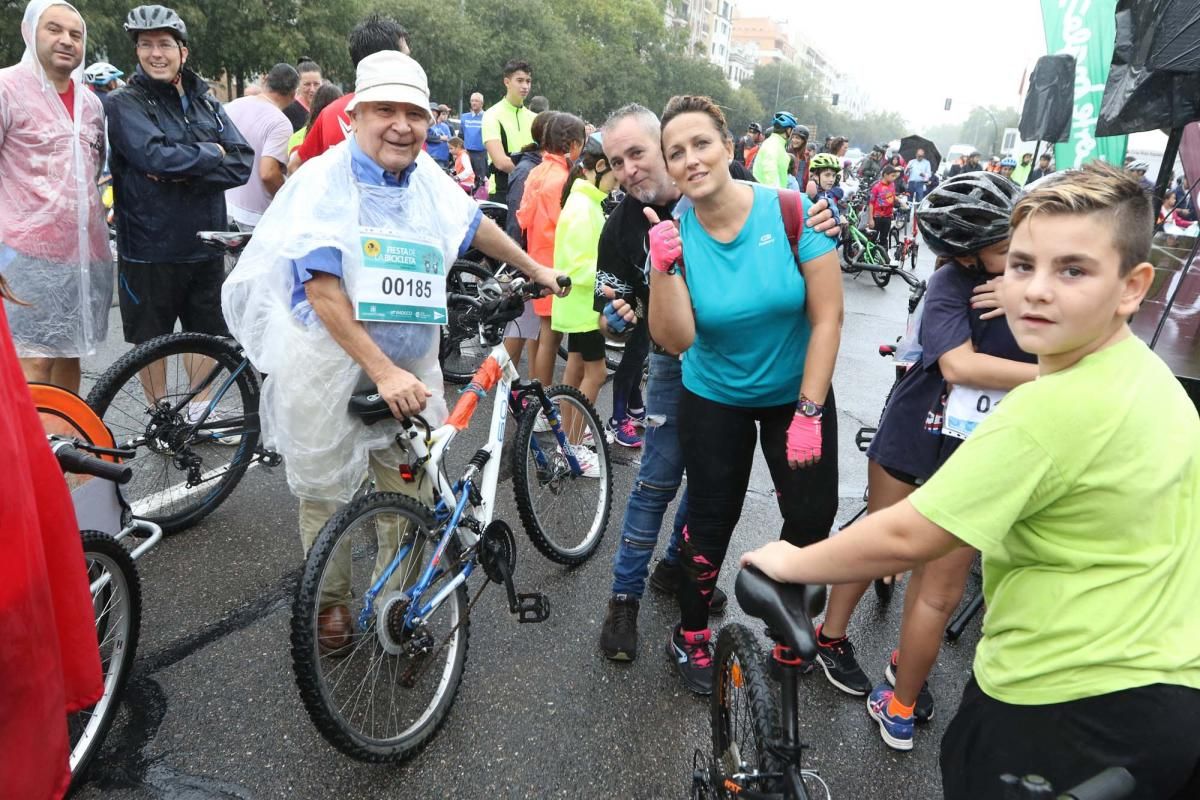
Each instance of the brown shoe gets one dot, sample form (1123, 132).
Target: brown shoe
(333, 628)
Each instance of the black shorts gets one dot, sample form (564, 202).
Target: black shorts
(589, 345)
(155, 296)
(1149, 730)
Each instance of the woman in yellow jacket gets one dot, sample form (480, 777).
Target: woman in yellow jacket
(576, 240)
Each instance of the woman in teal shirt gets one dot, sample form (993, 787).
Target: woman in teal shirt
(759, 336)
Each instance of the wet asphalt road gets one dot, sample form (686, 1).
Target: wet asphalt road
(212, 710)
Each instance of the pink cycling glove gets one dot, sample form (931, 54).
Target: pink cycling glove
(804, 440)
(665, 246)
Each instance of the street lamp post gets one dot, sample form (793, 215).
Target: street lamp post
(995, 130)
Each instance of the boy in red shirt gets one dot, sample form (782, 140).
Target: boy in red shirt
(881, 207)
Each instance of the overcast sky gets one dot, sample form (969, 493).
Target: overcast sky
(913, 56)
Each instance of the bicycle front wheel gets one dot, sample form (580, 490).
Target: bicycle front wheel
(376, 683)
(745, 716)
(564, 506)
(152, 399)
(882, 279)
(117, 602)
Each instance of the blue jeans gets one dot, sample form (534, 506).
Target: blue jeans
(918, 190)
(657, 481)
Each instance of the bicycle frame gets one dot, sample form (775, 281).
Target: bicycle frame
(453, 500)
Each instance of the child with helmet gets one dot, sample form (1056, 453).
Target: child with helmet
(968, 358)
(823, 172)
(1007, 165)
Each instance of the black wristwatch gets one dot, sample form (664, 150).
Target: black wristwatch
(808, 408)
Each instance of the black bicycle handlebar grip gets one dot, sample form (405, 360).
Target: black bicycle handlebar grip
(72, 460)
(1115, 783)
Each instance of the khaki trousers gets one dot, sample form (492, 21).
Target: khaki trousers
(337, 582)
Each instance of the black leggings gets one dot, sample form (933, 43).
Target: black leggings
(718, 451)
(627, 380)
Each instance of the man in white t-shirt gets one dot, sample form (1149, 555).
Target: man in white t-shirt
(266, 128)
(917, 175)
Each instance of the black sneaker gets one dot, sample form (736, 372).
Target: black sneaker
(923, 710)
(691, 653)
(841, 667)
(619, 636)
(666, 576)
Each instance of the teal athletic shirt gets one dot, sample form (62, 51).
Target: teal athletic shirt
(748, 297)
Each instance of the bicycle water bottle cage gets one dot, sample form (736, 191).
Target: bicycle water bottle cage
(787, 608)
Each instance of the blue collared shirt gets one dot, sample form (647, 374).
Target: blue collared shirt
(329, 259)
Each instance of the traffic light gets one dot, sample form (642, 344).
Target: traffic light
(947, 103)
(835, 99)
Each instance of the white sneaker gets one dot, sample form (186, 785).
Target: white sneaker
(589, 462)
(196, 411)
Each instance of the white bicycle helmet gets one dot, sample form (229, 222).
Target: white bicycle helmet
(102, 72)
(1139, 166)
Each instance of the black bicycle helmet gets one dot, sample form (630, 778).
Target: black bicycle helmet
(802, 130)
(967, 213)
(754, 127)
(155, 18)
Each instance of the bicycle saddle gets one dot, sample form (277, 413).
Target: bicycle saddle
(231, 241)
(369, 407)
(787, 608)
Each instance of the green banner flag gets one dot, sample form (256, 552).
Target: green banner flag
(1085, 29)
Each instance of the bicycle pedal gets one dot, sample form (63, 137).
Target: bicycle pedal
(532, 607)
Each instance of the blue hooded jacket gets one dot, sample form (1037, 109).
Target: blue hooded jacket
(169, 177)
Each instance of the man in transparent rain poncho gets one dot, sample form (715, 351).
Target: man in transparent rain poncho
(53, 239)
(302, 297)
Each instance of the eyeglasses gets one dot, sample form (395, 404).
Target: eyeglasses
(149, 47)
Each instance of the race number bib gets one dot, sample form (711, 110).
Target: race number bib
(401, 281)
(966, 407)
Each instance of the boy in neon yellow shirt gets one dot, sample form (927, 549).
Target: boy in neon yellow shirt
(1083, 493)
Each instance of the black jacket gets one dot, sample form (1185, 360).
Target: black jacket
(169, 178)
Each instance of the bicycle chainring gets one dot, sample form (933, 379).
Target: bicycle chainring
(496, 546)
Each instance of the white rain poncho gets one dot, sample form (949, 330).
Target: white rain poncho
(309, 377)
(53, 239)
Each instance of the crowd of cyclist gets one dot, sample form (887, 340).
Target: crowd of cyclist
(717, 261)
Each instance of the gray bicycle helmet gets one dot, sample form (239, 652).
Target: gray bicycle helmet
(155, 18)
(967, 213)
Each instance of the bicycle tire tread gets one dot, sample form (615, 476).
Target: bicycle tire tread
(520, 477)
(737, 640)
(304, 645)
(222, 350)
(97, 541)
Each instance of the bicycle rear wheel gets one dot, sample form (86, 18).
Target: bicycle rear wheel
(117, 602)
(379, 689)
(745, 716)
(565, 513)
(182, 470)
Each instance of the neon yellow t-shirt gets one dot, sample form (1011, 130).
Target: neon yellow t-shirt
(297, 139)
(517, 125)
(1082, 490)
(517, 122)
(576, 240)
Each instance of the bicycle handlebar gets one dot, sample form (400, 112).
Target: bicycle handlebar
(71, 459)
(912, 280)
